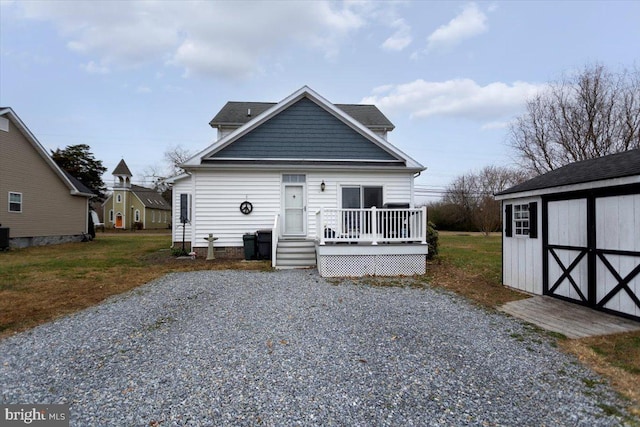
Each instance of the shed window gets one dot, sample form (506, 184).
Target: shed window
(521, 220)
(15, 202)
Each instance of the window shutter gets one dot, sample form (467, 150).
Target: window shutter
(533, 220)
(184, 208)
(508, 220)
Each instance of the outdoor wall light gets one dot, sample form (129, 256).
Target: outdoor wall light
(322, 186)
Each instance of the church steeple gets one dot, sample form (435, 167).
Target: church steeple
(122, 175)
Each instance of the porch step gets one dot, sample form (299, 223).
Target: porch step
(296, 254)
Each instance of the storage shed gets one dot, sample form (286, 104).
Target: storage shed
(574, 233)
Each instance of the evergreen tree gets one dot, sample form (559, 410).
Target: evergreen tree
(79, 162)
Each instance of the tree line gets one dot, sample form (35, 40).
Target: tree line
(584, 115)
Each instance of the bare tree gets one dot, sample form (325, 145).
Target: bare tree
(158, 173)
(472, 195)
(175, 156)
(586, 115)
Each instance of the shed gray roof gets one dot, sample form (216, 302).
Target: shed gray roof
(617, 165)
(235, 114)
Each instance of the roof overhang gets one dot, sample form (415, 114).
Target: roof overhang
(42, 152)
(583, 186)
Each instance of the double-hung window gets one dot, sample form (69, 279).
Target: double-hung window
(15, 202)
(521, 219)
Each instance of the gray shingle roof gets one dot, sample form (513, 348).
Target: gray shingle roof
(150, 198)
(78, 184)
(608, 167)
(122, 169)
(235, 114)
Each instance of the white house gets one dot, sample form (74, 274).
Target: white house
(314, 175)
(574, 233)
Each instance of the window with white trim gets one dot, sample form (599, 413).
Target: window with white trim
(153, 216)
(521, 219)
(118, 198)
(15, 202)
(111, 215)
(137, 216)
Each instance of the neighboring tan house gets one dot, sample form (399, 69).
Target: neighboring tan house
(574, 234)
(39, 203)
(319, 182)
(131, 206)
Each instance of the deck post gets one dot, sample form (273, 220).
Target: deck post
(320, 226)
(374, 225)
(424, 225)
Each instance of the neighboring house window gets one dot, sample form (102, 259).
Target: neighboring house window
(119, 198)
(153, 216)
(111, 215)
(165, 216)
(185, 208)
(521, 220)
(137, 216)
(15, 202)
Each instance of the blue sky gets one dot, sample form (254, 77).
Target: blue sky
(133, 79)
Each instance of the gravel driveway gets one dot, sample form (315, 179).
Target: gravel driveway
(289, 348)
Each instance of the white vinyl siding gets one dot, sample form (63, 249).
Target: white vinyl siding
(522, 260)
(218, 195)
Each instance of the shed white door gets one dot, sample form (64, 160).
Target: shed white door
(592, 251)
(294, 207)
(566, 250)
(617, 253)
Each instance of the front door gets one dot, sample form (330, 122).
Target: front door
(119, 220)
(294, 210)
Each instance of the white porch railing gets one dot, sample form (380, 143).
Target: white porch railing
(275, 234)
(372, 226)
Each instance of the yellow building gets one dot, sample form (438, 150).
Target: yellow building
(134, 207)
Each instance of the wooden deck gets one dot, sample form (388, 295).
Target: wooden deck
(571, 320)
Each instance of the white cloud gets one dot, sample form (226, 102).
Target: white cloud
(401, 38)
(226, 39)
(92, 68)
(469, 23)
(462, 98)
(143, 89)
(495, 125)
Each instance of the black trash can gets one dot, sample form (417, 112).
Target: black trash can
(249, 241)
(264, 244)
